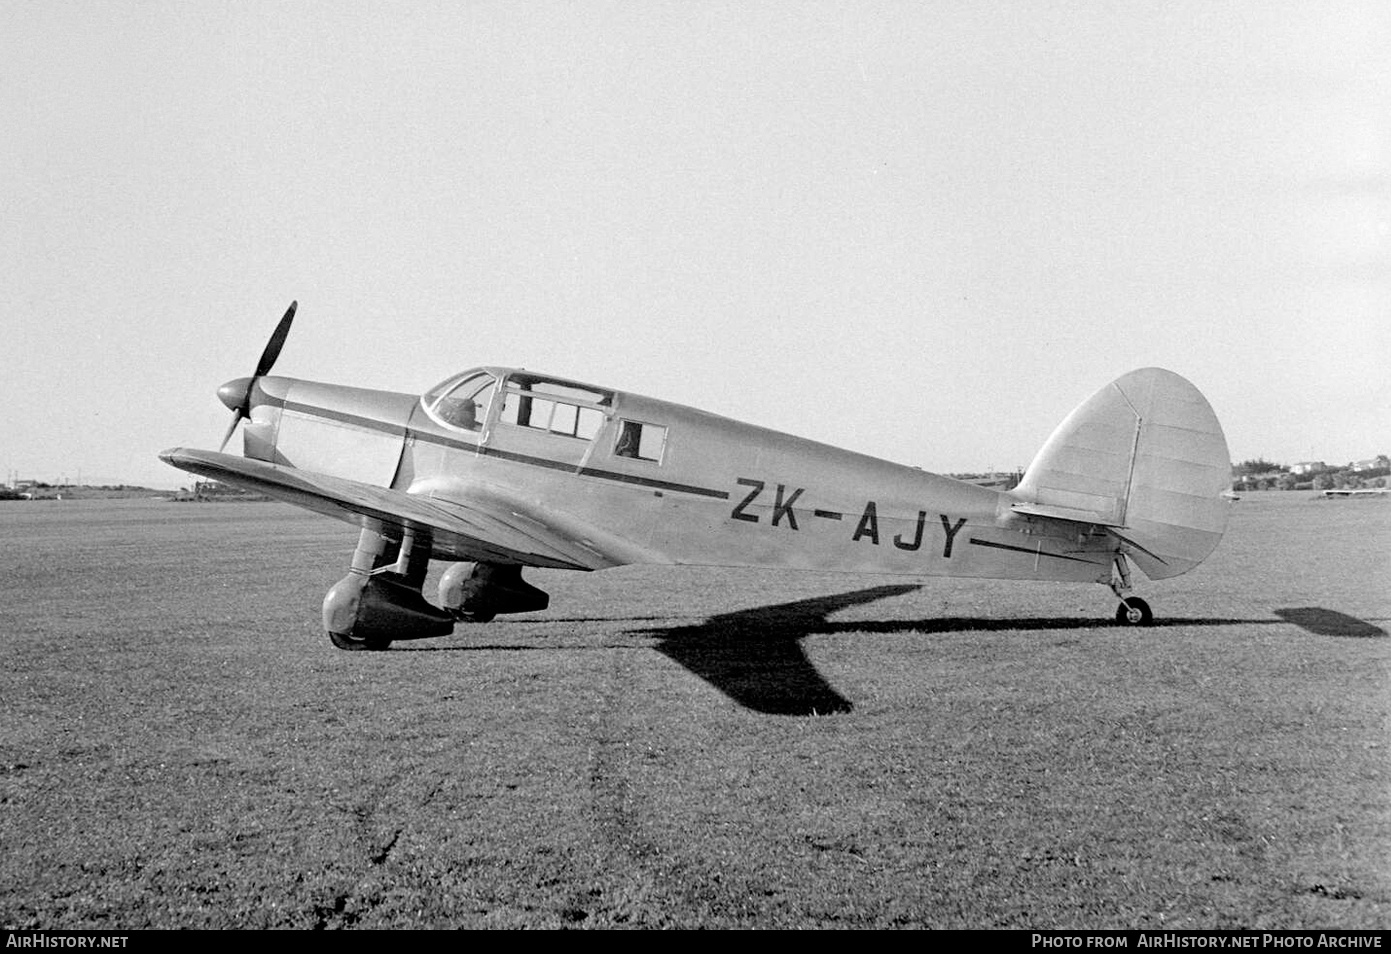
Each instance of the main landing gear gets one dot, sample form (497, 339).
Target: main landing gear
(380, 599)
(1132, 611)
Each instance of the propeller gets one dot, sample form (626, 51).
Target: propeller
(236, 394)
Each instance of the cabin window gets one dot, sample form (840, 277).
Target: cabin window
(526, 408)
(564, 418)
(466, 405)
(641, 441)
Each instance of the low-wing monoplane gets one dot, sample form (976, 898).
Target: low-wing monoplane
(497, 469)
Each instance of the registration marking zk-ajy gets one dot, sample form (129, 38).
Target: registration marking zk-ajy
(867, 526)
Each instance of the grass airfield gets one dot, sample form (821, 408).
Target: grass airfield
(181, 746)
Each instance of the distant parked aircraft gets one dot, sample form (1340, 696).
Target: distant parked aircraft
(503, 468)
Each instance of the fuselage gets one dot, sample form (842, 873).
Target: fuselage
(674, 484)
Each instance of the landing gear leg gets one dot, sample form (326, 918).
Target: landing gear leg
(380, 600)
(1133, 611)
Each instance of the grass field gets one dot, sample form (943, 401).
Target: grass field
(181, 746)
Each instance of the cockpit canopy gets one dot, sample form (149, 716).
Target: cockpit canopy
(466, 401)
(462, 401)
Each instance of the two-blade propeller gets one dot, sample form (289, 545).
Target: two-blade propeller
(237, 394)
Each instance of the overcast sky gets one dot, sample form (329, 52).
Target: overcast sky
(925, 231)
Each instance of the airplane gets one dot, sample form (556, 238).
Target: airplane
(497, 469)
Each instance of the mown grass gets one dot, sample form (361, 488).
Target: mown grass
(181, 746)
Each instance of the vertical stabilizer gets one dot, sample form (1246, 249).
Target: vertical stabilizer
(1146, 456)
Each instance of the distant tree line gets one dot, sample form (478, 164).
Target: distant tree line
(1261, 474)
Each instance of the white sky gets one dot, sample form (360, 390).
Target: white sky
(921, 230)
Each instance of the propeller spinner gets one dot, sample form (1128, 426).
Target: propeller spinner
(236, 394)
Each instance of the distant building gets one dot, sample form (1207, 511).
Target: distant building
(1380, 462)
(1308, 467)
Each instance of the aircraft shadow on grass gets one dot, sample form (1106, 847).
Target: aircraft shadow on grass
(1327, 622)
(755, 657)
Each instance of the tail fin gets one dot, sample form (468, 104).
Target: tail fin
(1146, 458)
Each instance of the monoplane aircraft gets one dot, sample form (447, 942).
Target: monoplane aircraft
(496, 469)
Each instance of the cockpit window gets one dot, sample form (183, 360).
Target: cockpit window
(465, 405)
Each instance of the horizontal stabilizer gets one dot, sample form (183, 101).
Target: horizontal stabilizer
(1067, 513)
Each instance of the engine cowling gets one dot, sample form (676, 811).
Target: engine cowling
(476, 592)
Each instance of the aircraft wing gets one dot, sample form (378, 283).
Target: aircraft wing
(486, 527)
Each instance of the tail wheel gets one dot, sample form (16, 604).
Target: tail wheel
(1134, 611)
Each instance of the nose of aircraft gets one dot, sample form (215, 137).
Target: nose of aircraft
(235, 393)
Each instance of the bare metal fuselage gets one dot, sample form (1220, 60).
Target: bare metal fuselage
(723, 493)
